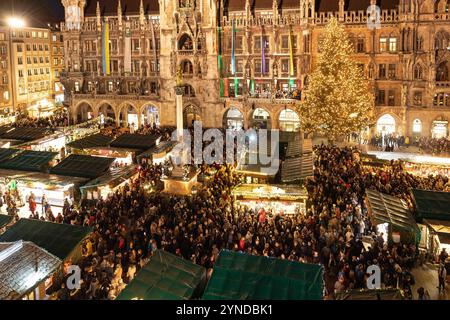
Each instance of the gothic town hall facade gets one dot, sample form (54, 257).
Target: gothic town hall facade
(244, 63)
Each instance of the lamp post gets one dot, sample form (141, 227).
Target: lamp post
(13, 23)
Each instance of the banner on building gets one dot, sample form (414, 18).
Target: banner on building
(105, 49)
(127, 49)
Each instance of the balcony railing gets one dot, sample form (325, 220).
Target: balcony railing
(443, 84)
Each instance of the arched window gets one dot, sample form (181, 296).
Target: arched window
(289, 120)
(418, 72)
(189, 91)
(417, 126)
(185, 43)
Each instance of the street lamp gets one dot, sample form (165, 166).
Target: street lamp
(15, 22)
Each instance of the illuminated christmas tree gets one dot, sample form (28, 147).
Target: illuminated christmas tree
(338, 99)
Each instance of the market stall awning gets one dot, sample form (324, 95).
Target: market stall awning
(83, 166)
(166, 277)
(392, 210)
(93, 141)
(40, 178)
(368, 295)
(164, 146)
(5, 220)
(7, 153)
(238, 276)
(23, 267)
(28, 160)
(135, 141)
(431, 204)
(112, 178)
(26, 133)
(58, 239)
(441, 228)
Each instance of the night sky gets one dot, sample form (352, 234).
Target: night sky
(36, 13)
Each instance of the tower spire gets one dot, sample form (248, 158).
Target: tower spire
(98, 13)
(141, 12)
(275, 11)
(119, 11)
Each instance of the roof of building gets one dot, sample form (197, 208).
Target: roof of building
(5, 220)
(42, 177)
(26, 133)
(7, 153)
(77, 165)
(320, 5)
(238, 276)
(392, 210)
(112, 178)
(93, 141)
(165, 277)
(297, 168)
(58, 239)
(129, 7)
(135, 141)
(432, 205)
(23, 266)
(29, 160)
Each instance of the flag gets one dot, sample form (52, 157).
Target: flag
(222, 89)
(219, 49)
(236, 86)
(127, 49)
(252, 86)
(105, 50)
(233, 49)
(153, 41)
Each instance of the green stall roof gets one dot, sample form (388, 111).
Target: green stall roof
(7, 153)
(5, 220)
(28, 160)
(389, 209)
(135, 141)
(238, 276)
(93, 141)
(165, 277)
(432, 205)
(58, 239)
(82, 166)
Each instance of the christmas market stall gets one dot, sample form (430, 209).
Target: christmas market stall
(108, 183)
(273, 199)
(159, 153)
(166, 277)
(433, 211)
(56, 188)
(62, 241)
(26, 270)
(83, 166)
(238, 276)
(392, 217)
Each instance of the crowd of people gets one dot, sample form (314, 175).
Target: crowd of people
(277, 94)
(434, 146)
(137, 219)
(58, 119)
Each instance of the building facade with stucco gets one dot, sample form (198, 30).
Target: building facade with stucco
(402, 46)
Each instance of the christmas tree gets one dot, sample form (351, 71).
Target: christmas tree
(338, 100)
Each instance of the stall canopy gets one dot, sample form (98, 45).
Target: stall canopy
(432, 205)
(392, 210)
(28, 160)
(166, 277)
(5, 220)
(238, 276)
(83, 166)
(58, 239)
(367, 295)
(135, 141)
(93, 141)
(26, 133)
(112, 178)
(7, 153)
(23, 267)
